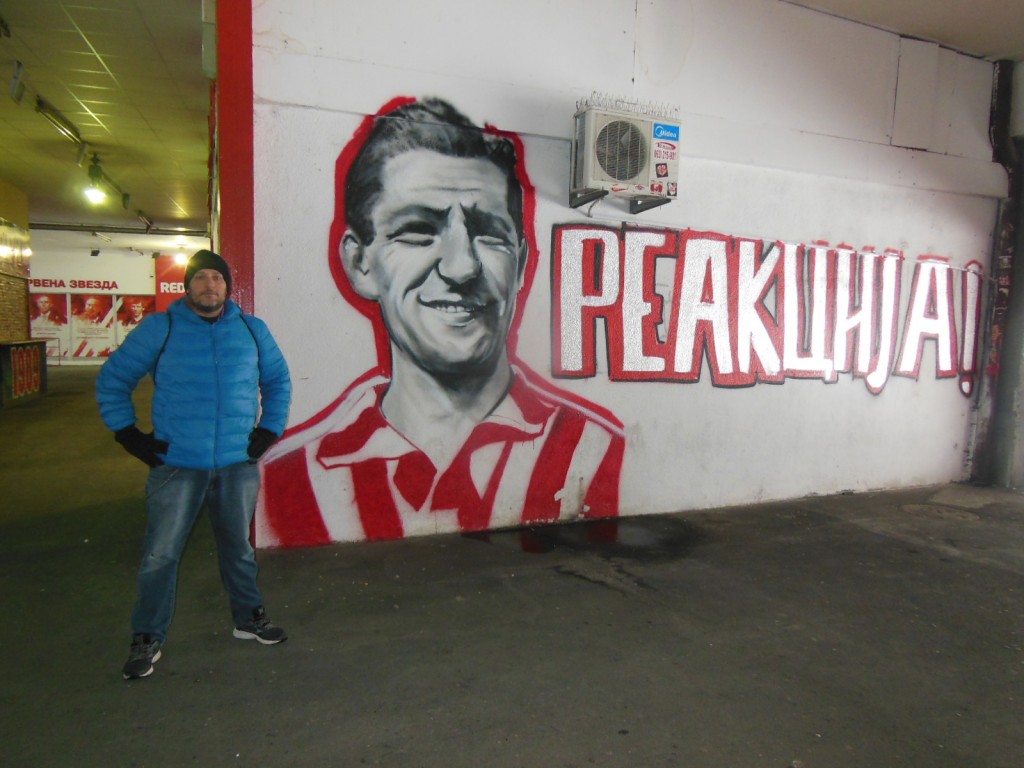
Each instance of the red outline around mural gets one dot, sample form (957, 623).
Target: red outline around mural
(389, 486)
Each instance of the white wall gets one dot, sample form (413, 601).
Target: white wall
(790, 120)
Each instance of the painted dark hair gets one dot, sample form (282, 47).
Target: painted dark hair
(432, 124)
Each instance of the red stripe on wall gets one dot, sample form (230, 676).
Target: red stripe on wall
(292, 510)
(235, 147)
(542, 495)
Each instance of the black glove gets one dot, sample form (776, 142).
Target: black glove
(260, 440)
(142, 445)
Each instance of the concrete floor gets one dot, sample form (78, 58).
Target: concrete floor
(871, 630)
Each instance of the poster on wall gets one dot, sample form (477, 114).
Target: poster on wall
(131, 310)
(92, 325)
(48, 319)
(84, 308)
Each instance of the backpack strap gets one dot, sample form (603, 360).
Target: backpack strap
(163, 346)
(246, 319)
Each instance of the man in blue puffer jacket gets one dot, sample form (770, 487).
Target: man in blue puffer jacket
(220, 400)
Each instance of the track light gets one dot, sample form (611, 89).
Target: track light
(95, 191)
(97, 179)
(57, 119)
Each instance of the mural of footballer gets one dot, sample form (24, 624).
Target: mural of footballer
(433, 241)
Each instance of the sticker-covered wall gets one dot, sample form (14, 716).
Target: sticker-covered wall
(807, 314)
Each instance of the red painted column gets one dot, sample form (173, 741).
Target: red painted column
(234, 101)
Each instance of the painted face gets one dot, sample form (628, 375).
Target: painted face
(92, 308)
(43, 302)
(138, 309)
(207, 292)
(445, 262)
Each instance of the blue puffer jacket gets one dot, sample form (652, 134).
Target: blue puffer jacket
(214, 383)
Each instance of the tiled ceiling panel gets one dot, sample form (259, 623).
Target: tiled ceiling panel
(128, 75)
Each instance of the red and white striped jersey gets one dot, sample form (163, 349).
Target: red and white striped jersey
(538, 457)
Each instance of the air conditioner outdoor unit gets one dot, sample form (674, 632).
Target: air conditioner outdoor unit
(624, 154)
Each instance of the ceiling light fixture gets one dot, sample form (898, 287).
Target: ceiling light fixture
(97, 179)
(95, 191)
(17, 84)
(57, 119)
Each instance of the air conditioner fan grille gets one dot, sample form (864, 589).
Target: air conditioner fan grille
(621, 150)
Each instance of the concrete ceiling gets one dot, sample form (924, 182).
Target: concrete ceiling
(128, 75)
(989, 29)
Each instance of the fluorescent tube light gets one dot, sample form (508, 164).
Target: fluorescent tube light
(58, 121)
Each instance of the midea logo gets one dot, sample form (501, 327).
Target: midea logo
(663, 131)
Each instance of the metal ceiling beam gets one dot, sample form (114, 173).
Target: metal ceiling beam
(163, 231)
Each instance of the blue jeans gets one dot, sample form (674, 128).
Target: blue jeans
(174, 497)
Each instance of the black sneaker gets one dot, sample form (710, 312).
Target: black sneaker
(260, 628)
(145, 652)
